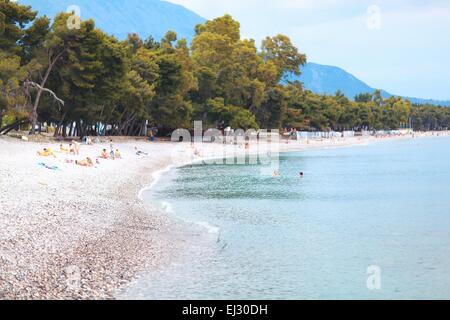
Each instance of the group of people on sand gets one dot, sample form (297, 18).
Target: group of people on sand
(73, 148)
(83, 163)
(111, 155)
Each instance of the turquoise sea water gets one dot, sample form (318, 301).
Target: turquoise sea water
(312, 237)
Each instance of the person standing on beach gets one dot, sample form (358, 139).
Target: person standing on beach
(111, 148)
(74, 148)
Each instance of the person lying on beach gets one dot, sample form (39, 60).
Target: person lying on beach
(85, 163)
(117, 154)
(139, 152)
(46, 152)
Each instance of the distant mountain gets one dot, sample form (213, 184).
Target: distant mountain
(324, 79)
(121, 17)
(155, 18)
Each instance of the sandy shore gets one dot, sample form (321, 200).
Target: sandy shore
(77, 233)
(81, 233)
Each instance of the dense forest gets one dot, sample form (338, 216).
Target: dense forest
(68, 73)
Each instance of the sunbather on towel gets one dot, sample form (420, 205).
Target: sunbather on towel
(85, 163)
(46, 152)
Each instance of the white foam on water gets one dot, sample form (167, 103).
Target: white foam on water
(209, 227)
(156, 177)
(167, 207)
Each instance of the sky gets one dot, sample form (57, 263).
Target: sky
(401, 46)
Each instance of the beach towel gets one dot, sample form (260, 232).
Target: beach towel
(42, 164)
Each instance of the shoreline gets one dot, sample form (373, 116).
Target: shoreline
(83, 233)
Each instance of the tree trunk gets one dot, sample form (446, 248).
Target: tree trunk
(34, 115)
(59, 125)
(79, 129)
(71, 129)
(8, 128)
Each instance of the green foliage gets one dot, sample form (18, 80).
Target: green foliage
(273, 109)
(220, 79)
(224, 26)
(232, 69)
(228, 115)
(283, 54)
(11, 73)
(13, 19)
(308, 111)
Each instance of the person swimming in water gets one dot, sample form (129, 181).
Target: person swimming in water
(301, 174)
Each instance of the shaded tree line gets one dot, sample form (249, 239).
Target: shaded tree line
(87, 82)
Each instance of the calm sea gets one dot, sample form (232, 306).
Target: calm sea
(384, 206)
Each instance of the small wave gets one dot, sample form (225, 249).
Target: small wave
(167, 207)
(209, 227)
(156, 176)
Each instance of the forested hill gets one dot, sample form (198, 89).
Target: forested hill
(323, 79)
(121, 17)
